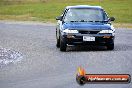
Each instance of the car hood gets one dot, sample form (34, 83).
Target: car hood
(83, 25)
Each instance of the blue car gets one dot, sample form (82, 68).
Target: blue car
(84, 25)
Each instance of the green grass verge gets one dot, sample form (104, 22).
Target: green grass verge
(47, 10)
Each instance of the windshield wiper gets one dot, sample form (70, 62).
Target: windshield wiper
(82, 21)
(74, 21)
(89, 21)
(102, 21)
(85, 21)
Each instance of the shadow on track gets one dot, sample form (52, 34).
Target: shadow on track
(118, 47)
(86, 48)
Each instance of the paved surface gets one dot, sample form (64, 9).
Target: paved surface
(44, 66)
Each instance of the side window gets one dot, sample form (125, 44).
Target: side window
(69, 16)
(64, 13)
(105, 16)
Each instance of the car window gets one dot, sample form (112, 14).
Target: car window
(85, 14)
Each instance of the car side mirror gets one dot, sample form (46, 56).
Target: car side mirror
(59, 18)
(112, 18)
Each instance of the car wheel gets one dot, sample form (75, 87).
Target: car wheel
(58, 43)
(62, 45)
(110, 46)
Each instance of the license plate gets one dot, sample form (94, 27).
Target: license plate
(88, 38)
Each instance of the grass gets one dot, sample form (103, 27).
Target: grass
(47, 10)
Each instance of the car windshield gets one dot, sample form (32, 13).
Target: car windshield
(85, 15)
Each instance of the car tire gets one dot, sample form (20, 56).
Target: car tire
(58, 43)
(110, 46)
(62, 45)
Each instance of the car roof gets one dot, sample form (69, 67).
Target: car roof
(84, 6)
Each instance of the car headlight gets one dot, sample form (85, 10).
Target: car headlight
(70, 31)
(106, 31)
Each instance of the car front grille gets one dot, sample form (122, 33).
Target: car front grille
(88, 32)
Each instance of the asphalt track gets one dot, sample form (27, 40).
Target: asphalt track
(44, 66)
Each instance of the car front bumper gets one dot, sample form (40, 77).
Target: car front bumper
(77, 39)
